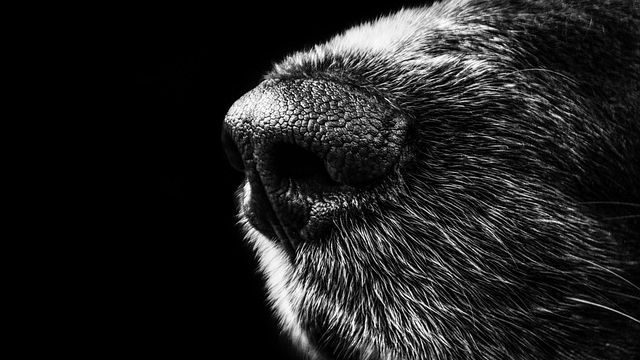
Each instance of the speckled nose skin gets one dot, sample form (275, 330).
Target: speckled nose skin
(299, 141)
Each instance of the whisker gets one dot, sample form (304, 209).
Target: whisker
(610, 203)
(604, 307)
(611, 272)
(624, 295)
(622, 217)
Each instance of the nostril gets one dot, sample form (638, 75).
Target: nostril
(231, 149)
(306, 145)
(293, 162)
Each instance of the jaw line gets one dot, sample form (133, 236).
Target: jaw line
(284, 292)
(283, 289)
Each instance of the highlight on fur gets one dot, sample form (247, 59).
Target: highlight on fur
(510, 226)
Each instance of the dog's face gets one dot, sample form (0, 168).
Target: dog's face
(430, 185)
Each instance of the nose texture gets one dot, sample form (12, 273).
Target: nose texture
(300, 141)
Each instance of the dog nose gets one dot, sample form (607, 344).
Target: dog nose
(299, 140)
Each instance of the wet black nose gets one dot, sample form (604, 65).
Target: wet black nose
(299, 141)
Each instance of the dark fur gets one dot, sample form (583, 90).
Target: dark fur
(513, 217)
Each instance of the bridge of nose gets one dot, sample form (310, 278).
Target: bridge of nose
(357, 136)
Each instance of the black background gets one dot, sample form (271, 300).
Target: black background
(184, 284)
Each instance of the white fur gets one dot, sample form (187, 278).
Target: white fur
(282, 288)
(396, 30)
